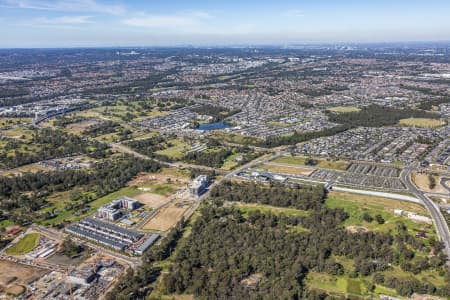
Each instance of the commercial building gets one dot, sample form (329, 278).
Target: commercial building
(198, 185)
(113, 211)
(104, 233)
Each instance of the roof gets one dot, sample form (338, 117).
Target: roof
(148, 242)
(114, 228)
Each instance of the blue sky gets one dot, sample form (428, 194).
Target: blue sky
(59, 23)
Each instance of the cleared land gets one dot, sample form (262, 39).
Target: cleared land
(177, 151)
(166, 218)
(344, 109)
(25, 245)
(423, 182)
(151, 200)
(13, 276)
(285, 168)
(81, 126)
(250, 207)
(357, 205)
(421, 122)
(299, 160)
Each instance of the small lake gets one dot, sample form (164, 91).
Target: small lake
(213, 126)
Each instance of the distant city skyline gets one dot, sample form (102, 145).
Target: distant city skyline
(99, 23)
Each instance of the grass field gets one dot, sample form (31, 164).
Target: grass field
(246, 208)
(357, 205)
(229, 163)
(299, 160)
(8, 122)
(344, 109)
(286, 169)
(233, 138)
(25, 245)
(176, 151)
(422, 122)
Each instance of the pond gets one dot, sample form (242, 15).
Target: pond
(213, 126)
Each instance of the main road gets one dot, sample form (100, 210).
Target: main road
(432, 207)
(260, 160)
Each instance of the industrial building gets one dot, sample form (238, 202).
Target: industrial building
(113, 211)
(104, 233)
(198, 185)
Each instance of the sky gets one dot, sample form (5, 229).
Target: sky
(93, 23)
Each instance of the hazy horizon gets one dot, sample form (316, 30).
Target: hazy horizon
(92, 23)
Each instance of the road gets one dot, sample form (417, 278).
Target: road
(127, 150)
(433, 209)
(445, 182)
(377, 194)
(259, 160)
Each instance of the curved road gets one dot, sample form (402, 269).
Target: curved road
(445, 182)
(433, 209)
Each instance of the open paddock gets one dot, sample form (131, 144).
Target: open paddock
(286, 169)
(344, 109)
(166, 218)
(152, 200)
(81, 126)
(421, 122)
(13, 276)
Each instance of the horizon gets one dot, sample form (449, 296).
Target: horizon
(291, 46)
(199, 23)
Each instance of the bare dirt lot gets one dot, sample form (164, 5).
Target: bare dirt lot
(166, 218)
(167, 175)
(80, 126)
(422, 181)
(152, 200)
(13, 276)
(288, 169)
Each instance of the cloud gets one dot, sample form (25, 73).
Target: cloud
(66, 5)
(64, 20)
(293, 13)
(179, 21)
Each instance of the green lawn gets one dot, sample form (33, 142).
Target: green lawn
(177, 151)
(246, 208)
(25, 245)
(344, 109)
(229, 163)
(357, 209)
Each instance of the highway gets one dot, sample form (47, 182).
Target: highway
(433, 209)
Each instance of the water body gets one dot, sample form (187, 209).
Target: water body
(213, 126)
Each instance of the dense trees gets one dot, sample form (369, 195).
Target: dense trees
(304, 198)
(378, 116)
(101, 128)
(149, 145)
(299, 137)
(46, 144)
(217, 112)
(210, 158)
(133, 286)
(30, 189)
(231, 255)
(428, 105)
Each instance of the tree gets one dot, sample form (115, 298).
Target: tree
(379, 219)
